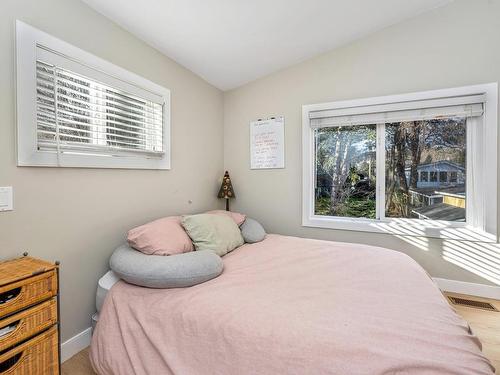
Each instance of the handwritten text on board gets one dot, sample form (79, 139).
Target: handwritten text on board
(267, 144)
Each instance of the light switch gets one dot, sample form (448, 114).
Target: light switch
(6, 198)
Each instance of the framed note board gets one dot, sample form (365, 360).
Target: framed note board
(267, 139)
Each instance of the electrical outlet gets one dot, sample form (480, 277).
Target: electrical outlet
(6, 198)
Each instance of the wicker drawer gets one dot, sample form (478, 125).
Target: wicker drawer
(20, 326)
(37, 356)
(24, 293)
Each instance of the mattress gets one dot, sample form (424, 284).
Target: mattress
(290, 305)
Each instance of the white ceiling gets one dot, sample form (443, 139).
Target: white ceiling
(232, 42)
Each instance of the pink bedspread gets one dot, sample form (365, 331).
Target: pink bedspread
(290, 306)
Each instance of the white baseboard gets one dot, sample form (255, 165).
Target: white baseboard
(75, 344)
(472, 289)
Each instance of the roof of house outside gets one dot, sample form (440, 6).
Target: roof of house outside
(441, 211)
(437, 163)
(458, 190)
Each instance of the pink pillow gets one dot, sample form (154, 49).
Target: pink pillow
(237, 217)
(164, 236)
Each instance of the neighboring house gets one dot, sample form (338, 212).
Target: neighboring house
(440, 191)
(438, 174)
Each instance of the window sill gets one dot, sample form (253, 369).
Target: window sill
(74, 160)
(402, 227)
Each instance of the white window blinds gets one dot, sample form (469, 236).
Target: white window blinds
(79, 114)
(460, 106)
(77, 110)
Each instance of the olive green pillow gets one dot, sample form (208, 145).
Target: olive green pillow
(213, 232)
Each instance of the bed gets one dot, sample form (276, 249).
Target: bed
(289, 305)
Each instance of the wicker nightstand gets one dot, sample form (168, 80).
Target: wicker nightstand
(29, 317)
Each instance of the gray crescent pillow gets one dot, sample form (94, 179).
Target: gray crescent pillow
(173, 271)
(252, 231)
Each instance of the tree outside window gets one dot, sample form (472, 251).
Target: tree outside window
(419, 157)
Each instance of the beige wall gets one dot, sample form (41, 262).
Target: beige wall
(79, 215)
(448, 47)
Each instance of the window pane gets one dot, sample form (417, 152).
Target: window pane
(443, 176)
(345, 160)
(433, 150)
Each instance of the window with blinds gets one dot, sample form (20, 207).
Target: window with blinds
(78, 114)
(75, 109)
(413, 164)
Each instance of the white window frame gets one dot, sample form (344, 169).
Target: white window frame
(27, 39)
(483, 227)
